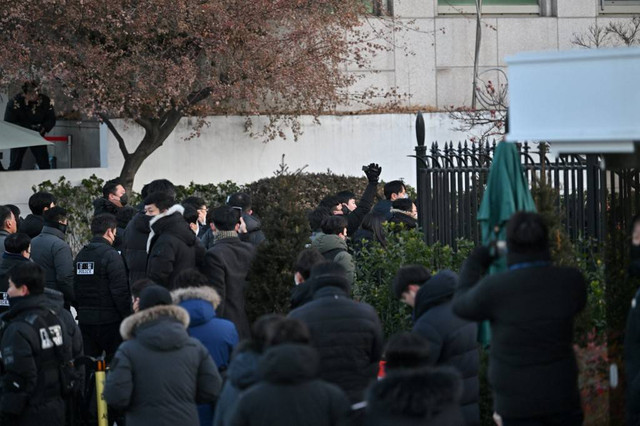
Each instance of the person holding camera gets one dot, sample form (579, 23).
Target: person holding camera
(531, 308)
(355, 212)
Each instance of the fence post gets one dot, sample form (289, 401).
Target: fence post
(593, 230)
(421, 165)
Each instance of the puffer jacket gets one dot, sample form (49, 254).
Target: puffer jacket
(347, 335)
(452, 340)
(159, 373)
(53, 254)
(401, 217)
(290, 392)
(31, 225)
(172, 247)
(218, 335)
(422, 397)
(336, 248)
(134, 246)
(241, 375)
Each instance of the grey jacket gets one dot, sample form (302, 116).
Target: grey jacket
(326, 243)
(159, 373)
(3, 236)
(53, 254)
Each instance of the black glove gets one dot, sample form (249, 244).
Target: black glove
(373, 172)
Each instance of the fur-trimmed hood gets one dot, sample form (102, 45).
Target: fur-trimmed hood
(200, 303)
(156, 325)
(204, 293)
(176, 208)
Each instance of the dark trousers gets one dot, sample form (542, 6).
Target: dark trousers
(571, 418)
(101, 338)
(39, 152)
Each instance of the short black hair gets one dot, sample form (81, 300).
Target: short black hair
(404, 204)
(329, 274)
(30, 86)
(334, 225)
(527, 233)
(194, 201)
(29, 274)
(102, 222)
(190, 278)
(317, 216)
(110, 187)
(288, 330)
(410, 274)
(240, 199)
(55, 214)
(139, 285)
(345, 196)
(158, 185)
(260, 330)
(40, 201)
(15, 210)
(162, 200)
(306, 260)
(5, 214)
(124, 215)
(225, 218)
(190, 213)
(393, 187)
(17, 243)
(329, 201)
(406, 351)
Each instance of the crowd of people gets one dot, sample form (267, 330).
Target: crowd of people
(158, 294)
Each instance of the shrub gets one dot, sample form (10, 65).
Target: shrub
(214, 195)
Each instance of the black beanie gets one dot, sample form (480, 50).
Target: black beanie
(154, 295)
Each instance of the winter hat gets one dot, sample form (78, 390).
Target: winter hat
(326, 274)
(154, 295)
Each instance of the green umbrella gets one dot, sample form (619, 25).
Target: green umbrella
(507, 192)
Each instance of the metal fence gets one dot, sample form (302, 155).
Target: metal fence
(452, 178)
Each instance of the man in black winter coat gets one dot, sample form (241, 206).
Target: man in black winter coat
(34, 111)
(114, 199)
(452, 340)
(226, 266)
(17, 251)
(347, 334)
(101, 288)
(172, 245)
(303, 291)
(38, 204)
(531, 308)
(356, 212)
(252, 230)
(34, 344)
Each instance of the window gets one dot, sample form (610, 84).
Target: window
(450, 7)
(620, 6)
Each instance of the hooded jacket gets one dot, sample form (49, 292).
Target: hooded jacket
(30, 382)
(53, 254)
(226, 266)
(31, 225)
(531, 308)
(254, 234)
(241, 375)
(326, 243)
(159, 373)
(172, 247)
(422, 397)
(347, 335)
(452, 340)
(401, 217)
(134, 246)
(290, 392)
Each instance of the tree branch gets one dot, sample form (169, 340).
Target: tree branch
(116, 134)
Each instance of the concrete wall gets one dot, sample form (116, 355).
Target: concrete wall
(436, 66)
(225, 151)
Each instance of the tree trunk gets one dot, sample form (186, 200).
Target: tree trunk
(156, 132)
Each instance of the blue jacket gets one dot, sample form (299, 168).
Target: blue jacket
(218, 335)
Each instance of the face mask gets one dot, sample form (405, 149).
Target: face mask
(405, 195)
(124, 199)
(62, 228)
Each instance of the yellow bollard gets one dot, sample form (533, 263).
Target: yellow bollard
(103, 419)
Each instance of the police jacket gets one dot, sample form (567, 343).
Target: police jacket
(134, 247)
(100, 284)
(33, 346)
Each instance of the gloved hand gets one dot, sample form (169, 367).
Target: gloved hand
(373, 172)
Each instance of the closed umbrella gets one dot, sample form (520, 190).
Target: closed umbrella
(507, 192)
